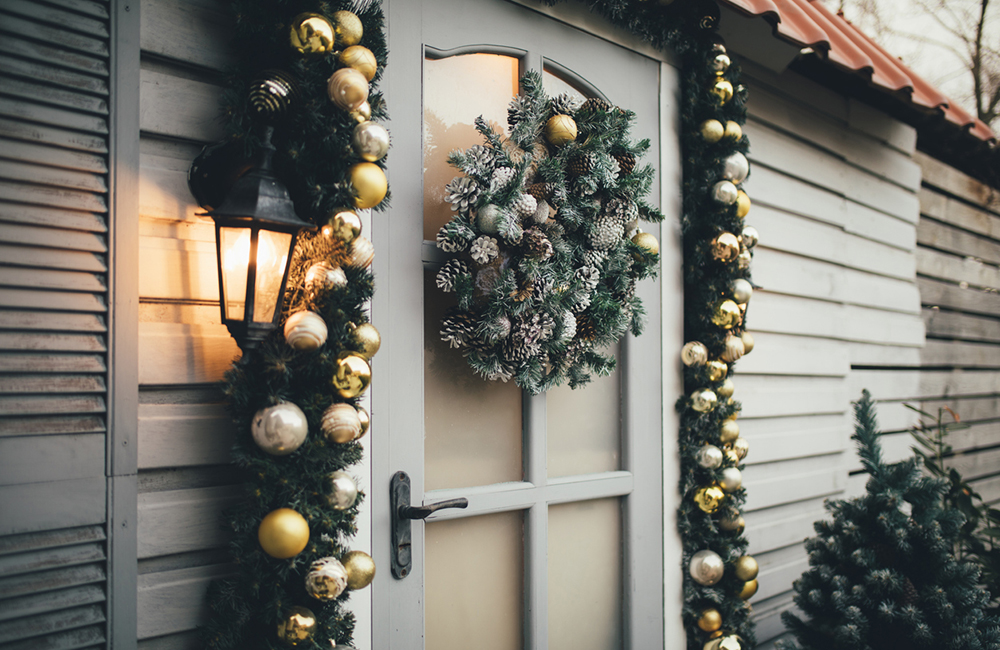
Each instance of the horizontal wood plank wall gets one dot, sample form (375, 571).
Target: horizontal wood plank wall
(834, 191)
(185, 481)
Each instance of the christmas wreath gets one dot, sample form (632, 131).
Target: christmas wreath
(545, 247)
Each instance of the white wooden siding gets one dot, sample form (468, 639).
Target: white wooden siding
(835, 199)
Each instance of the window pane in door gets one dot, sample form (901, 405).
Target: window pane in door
(585, 575)
(555, 84)
(457, 90)
(584, 426)
(474, 583)
(472, 427)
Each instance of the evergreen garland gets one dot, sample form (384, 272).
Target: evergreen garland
(545, 265)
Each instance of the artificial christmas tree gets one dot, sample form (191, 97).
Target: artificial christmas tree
(882, 571)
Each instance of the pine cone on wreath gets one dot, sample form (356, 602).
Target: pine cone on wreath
(448, 243)
(484, 249)
(537, 244)
(589, 276)
(462, 192)
(595, 104)
(479, 161)
(568, 330)
(910, 594)
(622, 210)
(541, 191)
(606, 232)
(581, 164)
(525, 206)
(449, 272)
(595, 258)
(502, 177)
(458, 328)
(585, 328)
(518, 110)
(564, 104)
(626, 161)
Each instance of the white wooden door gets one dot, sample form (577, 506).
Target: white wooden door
(561, 545)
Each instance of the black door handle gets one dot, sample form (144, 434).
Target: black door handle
(422, 512)
(402, 514)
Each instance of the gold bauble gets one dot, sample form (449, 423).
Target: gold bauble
(362, 113)
(742, 204)
(560, 130)
(746, 568)
(360, 569)
(729, 431)
(741, 448)
(694, 353)
(311, 34)
(732, 522)
(297, 627)
(716, 370)
(361, 59)
(723, 91)
(704, 400)
(747, 342)
(283, 533)
(709, 498)
(749, 589)
(341, 423)
(731, 456)
(348, 28)
(733, 131)
(352, 375)
(726, 390)
(725, 247)
(367, 338)
(709, 619)
(712, 131)
(366, 421)
(734, 349)
(647, 242)
(343, 225)
(726, 314)
(327, 579)
(347, 89)
(369, 183)
(731, 479)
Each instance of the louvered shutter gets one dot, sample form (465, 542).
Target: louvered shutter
(54, 143)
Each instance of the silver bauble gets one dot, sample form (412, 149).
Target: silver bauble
(732, 521)
(741, 447)
(736, 168)
(706, 567)
(734, 349)
(731, 480)
(742, 290)
(362, 253)
(709, 457)
(720, 63)
(305, 330)
(488, 219)
(744, 259)
(694, 353)
(749, 237)
(327, 579)
(704, 400)
(370, 141)
(343, 490)
(725, 192)
(323, 276)
(279, 430)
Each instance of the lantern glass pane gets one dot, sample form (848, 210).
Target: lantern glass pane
(234, 245)
(272, 257)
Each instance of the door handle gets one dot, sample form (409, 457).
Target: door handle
(401, 559)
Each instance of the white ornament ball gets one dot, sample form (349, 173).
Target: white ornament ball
(323, 276)
(744, 259)
(327, 579)
(341, 423)
(709, 457)
(347, 89)
(734, 349)
(749, 237)
(742, 291)
(488, 219)
(370, 141)
(736, 168)
(725, 192)
(305, 330)
(279, 430)
(694, 353)
(362, 253)
(343, 490)
(706, 567)
(731, 480)
(541, 212)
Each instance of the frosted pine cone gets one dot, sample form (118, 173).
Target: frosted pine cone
(588, 276)
(484, 249)
(626, 161)
(547, 325)
(449, 243)
(538, 244)
(606, 232)
(622, 210)
(462, 193)
(595, 104)
(595, 258)
(457, 328)
(518, 110)
(581, 164)
(568, 329)
(541, 191)
(524, 339)
(451, 270)
(502, 177)
(525, 206)
(479, 160)
(582, 302)
(564, 104)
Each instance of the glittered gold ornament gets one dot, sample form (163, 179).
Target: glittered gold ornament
(741, 447)
(560, 130)
(704, 400)
(362, 113)
(694, 353)
(348, 28)
(361, 59)
(709, 498)
(725, 192)
(706, 567)
(323, 276)
(749, 237)
(343, 225)
(731, 479)
(347, 89)
(340, 423)
(311, 34)
(742, 290)
(305, 330)
(729, 431)
(726, 390)
(749, 589)
(362, 252)
(725, 642)
(742, 204)
(732, 522)
(370, 141)
(734, 349)
(726, 314)
(747, 342)
(283, 533)
(733, 131)
(352, 375)
(360, 569)
(716, 370)
(273, 93)
(725, 247)
(709, 619)
(723, 91)
(327, 579)
(746, 568)
(369, 184)
(366, 421)
(712, 131)
(709, 457)
(647, 242)
(280, 429)
(720, 64)
(367, 338)
(296, 627)
(343, 490)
